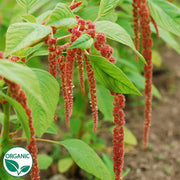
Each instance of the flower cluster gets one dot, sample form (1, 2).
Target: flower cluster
(105, 49)
(118, 136)
(52, 53)
(147, 53)
(18, 94)
(77, 54)
(74, 6)
(136, 7)
(92, 87)
(79, 60)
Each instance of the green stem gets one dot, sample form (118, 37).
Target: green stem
(6, 126)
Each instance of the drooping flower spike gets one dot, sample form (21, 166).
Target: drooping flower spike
(18, 94)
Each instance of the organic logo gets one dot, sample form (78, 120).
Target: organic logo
(17, 161)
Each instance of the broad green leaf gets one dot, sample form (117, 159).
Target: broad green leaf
(21, 35)
(40, 52)
(166, 15)
(31, 5)
(22, 75)
(91, 13)
(27, 4)
(83, 42)
(109, 164)
(44, 161)
(117, 33)
(106, 6)
(29, 18)
(111, 76)
(105, 102)
(86, 158)
(64, 164)
(129, 137)
(44, 114)
(20, 113)
(62, 16)
(27, 51)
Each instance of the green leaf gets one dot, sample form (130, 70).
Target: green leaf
(21, 75)
(40, 52)
(27, 51)
(111, 76)
(106, 6)
(43, 114)
(20, 113)
(117, 33)
(105, 102)
(129, 137)
(27, 4)
(31, 5)
(29, 18)
(166, 15)
(64, 164)
(11, 165)
(86, 158)
(21, 35)
(62, 16)
(109, 164)
(44, 161)
(83, 42)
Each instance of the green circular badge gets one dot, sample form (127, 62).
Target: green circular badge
(17, 162)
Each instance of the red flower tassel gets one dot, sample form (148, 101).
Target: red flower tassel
(79, 60)
(69, 66)
(19, 95)
(135, 5)
(147, 53)
(74, 6)
(118, 135)
(92, 86)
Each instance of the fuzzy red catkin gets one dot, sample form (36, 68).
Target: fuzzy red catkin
(79, 60)
(155, 26)
(62, 69)
(118, 134)
(18, 94)
(69, 66)
(147, 53)
(135, 5)
(74, 6)
(92, 86)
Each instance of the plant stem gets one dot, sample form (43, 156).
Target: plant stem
(6, 126)
(63, 37)
(96, 19)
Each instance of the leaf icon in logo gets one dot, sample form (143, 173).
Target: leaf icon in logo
(11, 165)
(25, 168)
